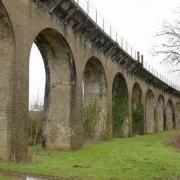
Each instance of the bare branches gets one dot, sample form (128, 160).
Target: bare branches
(169, 49)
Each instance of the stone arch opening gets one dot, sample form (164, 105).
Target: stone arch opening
(150, 112)
(37, 76)
(137, 110)
(95, 100)
(161, 114)
(120, 107)
(170, 115)
(7, 70)
(178, 115)
(59, 88)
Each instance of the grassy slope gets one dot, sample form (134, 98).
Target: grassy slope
(142, 157)
(3, 177)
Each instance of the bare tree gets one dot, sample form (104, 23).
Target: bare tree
(36, 118)
(169, 48)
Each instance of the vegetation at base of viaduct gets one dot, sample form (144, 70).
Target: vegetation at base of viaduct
(91, 117)
(137, 158)
(120, 107)
(138, 120)
(137, 111)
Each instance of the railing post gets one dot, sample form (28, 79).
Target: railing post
(142, 59)
(138, 56)
(122, 42)
(103, 24)
(110, 31)
(96, 16)
(87, 6)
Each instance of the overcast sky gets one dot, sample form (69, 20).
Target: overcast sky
(136, 20)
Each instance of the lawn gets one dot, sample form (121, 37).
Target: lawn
(138, 158)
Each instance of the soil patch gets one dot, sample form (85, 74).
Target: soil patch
(174, 141)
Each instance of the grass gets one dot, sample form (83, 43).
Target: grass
(4, 177)
(138, 158)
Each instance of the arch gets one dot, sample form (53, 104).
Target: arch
(59, 89)
(170, 115)
(178, 115)
(150, 112)
(161, 114)
(137, 110)
(7, 70)
(95, 100)
(120, 106)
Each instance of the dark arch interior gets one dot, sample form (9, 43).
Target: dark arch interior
(170, 115)
(95, 100)
(137, 111)
(120, 107)
(177, 114)
(59, 88)
(161, 114)
(150, 112)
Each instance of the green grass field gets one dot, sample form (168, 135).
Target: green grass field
(142, 157)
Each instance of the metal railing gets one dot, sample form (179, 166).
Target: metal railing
(153, 71)
(96, 16)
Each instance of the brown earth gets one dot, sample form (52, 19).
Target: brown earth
(174, 141)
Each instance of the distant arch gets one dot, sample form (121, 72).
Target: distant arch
(170, 115)
(137, 110)
(161, 114)
(120, 106)
(178, 115)
(95, 100)
(150, 112)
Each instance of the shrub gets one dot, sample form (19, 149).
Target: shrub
(91, 117)
(35, 127)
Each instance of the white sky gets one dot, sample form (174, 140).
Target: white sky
(136, 20)
(37, 76)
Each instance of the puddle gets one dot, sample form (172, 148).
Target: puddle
(32, 178)
(20, 176)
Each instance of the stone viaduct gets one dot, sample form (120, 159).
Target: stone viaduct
(94, 89)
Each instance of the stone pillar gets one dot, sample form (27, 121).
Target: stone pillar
(21, 100)
(130, 115)
(177, 113)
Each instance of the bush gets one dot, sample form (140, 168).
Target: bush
(91, 117)
(138, 120)
(35, 127)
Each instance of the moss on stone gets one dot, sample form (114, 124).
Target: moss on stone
(120, 107)
(138, 120)
(91, 117)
